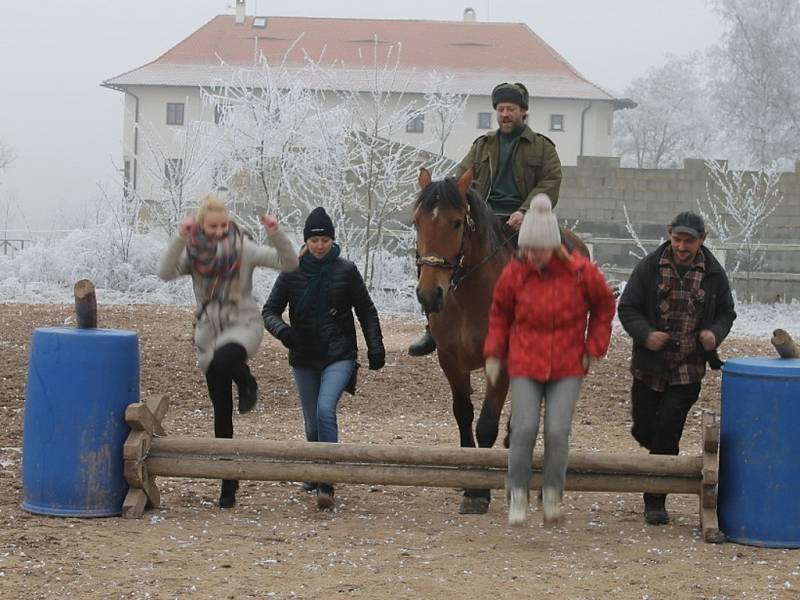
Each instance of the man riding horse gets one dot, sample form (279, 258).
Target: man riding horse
(510, 166)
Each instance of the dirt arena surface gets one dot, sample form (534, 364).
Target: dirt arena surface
(380, 542)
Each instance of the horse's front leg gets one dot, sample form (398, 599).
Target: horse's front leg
(489, 419)
(474, 501)
(461, 390)
(477, 501)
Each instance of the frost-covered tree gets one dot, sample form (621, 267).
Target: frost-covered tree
(384, 170)
(264, 132)
(9, 208)
(121, 210)
(756, 79)
(671, 120)
(736, 208)
(181, 169)
(324, 135)
(6, 155)
(445, 107)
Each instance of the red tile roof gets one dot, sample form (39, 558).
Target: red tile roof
(440, 45)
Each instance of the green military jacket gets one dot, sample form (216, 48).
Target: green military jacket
(535, 165)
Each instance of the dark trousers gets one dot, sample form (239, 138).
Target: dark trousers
(659, 417)
(229, 365)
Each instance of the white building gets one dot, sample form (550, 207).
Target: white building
(572, 111)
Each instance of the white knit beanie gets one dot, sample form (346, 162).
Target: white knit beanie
(540, 226)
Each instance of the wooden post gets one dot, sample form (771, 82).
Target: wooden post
(784, 344)
(85, 304)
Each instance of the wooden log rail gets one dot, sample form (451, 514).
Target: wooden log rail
(148, 456)
(410, 465)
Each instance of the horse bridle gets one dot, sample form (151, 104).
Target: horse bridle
(457, 266)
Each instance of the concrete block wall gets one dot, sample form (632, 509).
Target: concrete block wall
(597, 191)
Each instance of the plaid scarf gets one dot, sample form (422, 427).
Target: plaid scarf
(217, 262)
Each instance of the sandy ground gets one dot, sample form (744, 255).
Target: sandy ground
(380, 542)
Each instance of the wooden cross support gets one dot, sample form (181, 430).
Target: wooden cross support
(144, 419)
(710, 480)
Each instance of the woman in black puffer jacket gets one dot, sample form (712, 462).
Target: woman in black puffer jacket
(321, 334)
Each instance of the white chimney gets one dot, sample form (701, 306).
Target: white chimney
(239, 12)
(469, 15)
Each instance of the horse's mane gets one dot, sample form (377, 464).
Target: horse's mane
(445, 191)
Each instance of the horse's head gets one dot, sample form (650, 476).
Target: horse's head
(441, 217)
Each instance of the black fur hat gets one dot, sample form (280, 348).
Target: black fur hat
(510, 92)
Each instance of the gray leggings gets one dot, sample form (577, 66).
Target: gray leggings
(527, 398)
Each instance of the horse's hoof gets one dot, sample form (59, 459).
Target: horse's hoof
(472, 505)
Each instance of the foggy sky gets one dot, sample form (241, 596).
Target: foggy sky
(67, 131)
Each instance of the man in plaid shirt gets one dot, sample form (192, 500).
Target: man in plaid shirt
(677, 306)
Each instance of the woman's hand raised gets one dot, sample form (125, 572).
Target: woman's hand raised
(269, 222)
(186, 226)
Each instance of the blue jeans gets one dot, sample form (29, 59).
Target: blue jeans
(320, 390)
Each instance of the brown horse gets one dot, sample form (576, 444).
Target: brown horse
(462, 250)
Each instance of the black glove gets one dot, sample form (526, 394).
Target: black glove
(713, 360)
(288, 338)
(376, 359)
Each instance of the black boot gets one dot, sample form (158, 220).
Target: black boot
(424, 345)
(248, 395)
(655, 511)
(324, 496)
(227, 497)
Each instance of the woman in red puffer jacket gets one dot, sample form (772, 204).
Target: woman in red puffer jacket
(538, 329)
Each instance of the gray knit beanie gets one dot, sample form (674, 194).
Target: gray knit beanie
(540, 225)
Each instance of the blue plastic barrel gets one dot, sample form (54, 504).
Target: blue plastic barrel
(759, 470)
(79, 383)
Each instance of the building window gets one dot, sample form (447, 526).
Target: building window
(610, 130)
(173, 171)
(219, 113)
(416, 125)
(174, 113)
(556, 122)
(484, 120)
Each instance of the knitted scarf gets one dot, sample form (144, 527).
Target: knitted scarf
(217, 262)
(317, 297)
